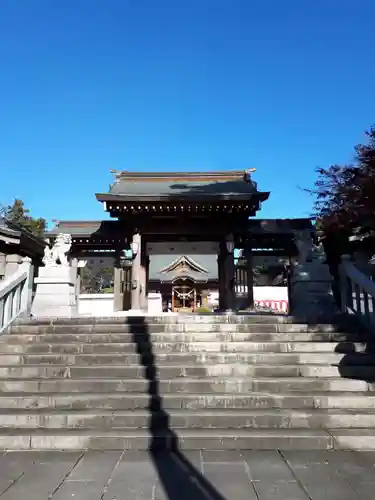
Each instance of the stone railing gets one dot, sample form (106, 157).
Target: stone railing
(15, 295)
(357, 293)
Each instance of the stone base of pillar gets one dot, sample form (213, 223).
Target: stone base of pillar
(118, 296)
(311, 289)
(142, 291)
(55, 294)
(135, 312)
(229, 311)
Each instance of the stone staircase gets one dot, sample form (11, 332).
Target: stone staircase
(197, 382)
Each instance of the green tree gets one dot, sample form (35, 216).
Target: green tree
(95, 279)
(18, 214)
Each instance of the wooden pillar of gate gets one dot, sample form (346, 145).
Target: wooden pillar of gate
(248, 254)
(143, 278)
(221, 275)
(117, 283)
(147, 265)
(227, 275)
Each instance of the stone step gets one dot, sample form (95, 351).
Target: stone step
(122, 338)
(184, 347)
(193, 318)
(188, 358)
(238, 419)
(135, 401)
(364, 372)
(111, 328)
(217, 381)
(207, 439)
(195, 385)
(153, 328)
(353, 439)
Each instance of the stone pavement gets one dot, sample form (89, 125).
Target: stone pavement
(258, 475)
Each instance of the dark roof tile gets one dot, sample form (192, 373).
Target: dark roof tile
(166, 184)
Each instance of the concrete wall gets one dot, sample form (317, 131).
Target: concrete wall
(102, 304)
(96, 304)
(266, 297)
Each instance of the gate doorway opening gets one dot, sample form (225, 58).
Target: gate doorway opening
(184, 297)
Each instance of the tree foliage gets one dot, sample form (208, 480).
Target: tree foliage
(18, 214)
(346, 194)
(96, 279)
(270, 275)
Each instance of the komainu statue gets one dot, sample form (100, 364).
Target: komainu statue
(304, 245)
(57, 255)
(319, 253)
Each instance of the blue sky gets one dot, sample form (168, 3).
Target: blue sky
(90, 85)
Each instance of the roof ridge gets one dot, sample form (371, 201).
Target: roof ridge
(123, 174)
(182, 258)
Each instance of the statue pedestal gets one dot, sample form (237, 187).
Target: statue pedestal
(311, 290)
(55, 294)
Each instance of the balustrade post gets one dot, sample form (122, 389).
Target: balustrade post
(7, 309)
(2, 312)
(344, 286)
(2, 265)
(27, 288)
(12, 264)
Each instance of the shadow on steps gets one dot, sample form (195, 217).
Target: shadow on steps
(356, 364)
(180, 479)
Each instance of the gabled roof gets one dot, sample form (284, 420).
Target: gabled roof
(9, 231)
(86, 228)
(204, 268)
(184, 259)
(195, 277)
(25, 242)
(141, 186)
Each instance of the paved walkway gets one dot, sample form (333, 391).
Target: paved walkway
(188, 476)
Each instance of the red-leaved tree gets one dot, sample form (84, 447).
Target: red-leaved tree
(345, 195)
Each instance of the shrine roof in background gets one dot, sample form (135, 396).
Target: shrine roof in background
(15, 239)
(276, 234)
(84, 228)
(279, 226)
(200, 268)
(103, 235)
